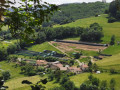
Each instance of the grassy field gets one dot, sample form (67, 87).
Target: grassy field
(109, 29)
(110, 62)
(80, 78)
(14, 71)
(15, 84)
(42, 47)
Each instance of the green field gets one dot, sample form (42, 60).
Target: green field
(80, 78)
(109, 29)
(110, 62)
(15, 84)
(14, 71)
(42, 47)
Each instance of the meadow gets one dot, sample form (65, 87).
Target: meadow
(80, 78)
(15, 84)
(110, 62)
(42, 47)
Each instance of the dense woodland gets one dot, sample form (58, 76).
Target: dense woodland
(71, 12)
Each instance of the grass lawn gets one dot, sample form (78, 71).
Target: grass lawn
(15, 84)
(110, 62)
(112, 50)
(80, 78)
(42, 47)
(14, 71)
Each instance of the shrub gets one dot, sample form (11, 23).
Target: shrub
(112, 71)
(111, 20)
(6, 75)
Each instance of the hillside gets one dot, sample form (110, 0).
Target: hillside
(74, 11)
(110, 62)
(109, 29)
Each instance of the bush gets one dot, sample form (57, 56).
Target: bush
(93, 33)
(112, 71)
(111, 20)
(6, 75)
(76, 55)
(112, 42)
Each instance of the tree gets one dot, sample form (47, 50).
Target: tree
(93, 33)
(6, 75)
(112, 84)
(103, 85)
(3, 53)
(69, 85)
(23, 19)
(76, 55)
(63, 80)
(114, 9)
(83, 86)
(28, 70)
(95, 81)
(112, 42)
(2, 83)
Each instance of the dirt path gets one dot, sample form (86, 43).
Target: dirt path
(79, 62)
(58, 49)
(92, 59)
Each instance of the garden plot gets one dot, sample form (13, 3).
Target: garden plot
(67, 47)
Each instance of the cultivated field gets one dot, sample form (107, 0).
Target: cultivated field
(67, 47)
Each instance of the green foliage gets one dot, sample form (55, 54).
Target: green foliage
(103, 85)
(114, 10)
(94, 33)
(112, 84)
(112, 42)
(22, 21)
(37, 86)
(112, 71)
(69, 85)
(6, 75)
(3, 54)
(64, 79)
(51, 59)
(71, 12)
(111, 20)
(28, 70)
(76, 55)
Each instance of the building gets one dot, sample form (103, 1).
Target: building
(84, 67)
(41, 62)
(57, 65)
(74, 70)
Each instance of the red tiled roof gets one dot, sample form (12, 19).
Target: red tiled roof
(85, 66)
(41, 62)
(63, 68)
(74, 68)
